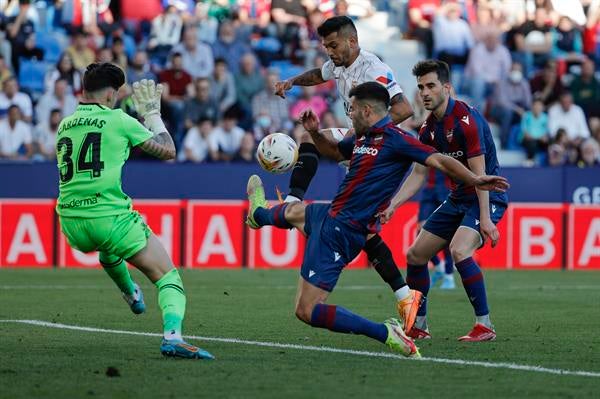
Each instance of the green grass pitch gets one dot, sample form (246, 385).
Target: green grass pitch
(547, 319)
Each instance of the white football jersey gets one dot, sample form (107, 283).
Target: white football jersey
(366, 68)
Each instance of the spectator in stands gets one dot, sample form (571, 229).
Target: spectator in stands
(165, 33)
(489, 64)
(176, 82)
(534, 41)
(139, 68)
(329, 121)
(105, 54)
(196, 142)
(64, 70)
(229, 47)
(226, 139)
(15, 136)
(30, 51)
(44, 136)
(248, 82)
(223, 85)
(119, 54)
(255, 12)
(197, 56)
(328, 89)
(546, 84)
(268, 111)
(486, 24)
(206, 25)
(421, 14)
(452, 37)
(262, 125)
(59, 98)
(5, 71)
(591, 40)
(81, 53)
(586, 89)
(568, 116)
(11, 95)
(511, 99)
(556, 155)
(247, 151)
(308, 99)
(566, 41)
(589, 153)
(18, 29)
(202, 105)
(534, 130)
(289, 17)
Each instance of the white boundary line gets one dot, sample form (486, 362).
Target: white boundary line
(498, 365)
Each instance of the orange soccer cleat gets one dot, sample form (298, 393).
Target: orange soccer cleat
(408, 307)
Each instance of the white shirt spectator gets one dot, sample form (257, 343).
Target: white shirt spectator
(199, 63)
(573, 121)
(46, 139)
(20, 99)
(227, 142)
(453, 36)
(49, 101)
(490, 66)
(166, 29)
(11, 140)
(195, 146)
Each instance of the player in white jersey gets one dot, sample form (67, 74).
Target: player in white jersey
(350, 66)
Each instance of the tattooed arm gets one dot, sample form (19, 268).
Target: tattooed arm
(160, 146)
(400, 109)
(311, 77)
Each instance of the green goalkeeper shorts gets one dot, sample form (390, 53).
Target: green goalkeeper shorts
(122, 235)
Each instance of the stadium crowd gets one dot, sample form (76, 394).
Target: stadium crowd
(529, 65)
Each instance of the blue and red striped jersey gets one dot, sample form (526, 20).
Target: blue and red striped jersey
(463, 133)
(379, 161)
(437, 186)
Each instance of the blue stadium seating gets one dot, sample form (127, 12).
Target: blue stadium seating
(32, 74)
(51, 46)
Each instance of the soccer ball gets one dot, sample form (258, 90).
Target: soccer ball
(277, 153)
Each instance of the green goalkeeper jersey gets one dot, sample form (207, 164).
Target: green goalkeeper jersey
(92, 146)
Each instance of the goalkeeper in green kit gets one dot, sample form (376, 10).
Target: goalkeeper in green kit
(95, 215)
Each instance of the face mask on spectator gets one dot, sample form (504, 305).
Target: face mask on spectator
(264, 121)
(515, 76)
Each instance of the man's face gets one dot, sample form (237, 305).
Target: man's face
(14, 114)
(432, 91)
(587, 69)
(60, 88)
(566, 101)
(339, 48)
(11, 87)
(357, 114)
(177, 63)
(203, 90)
(54, 119)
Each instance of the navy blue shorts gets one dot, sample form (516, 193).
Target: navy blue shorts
(426, 208)
(330, 246)
(451, 215)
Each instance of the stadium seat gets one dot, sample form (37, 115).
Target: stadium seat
(287, 70)
(51, 46)
(513, 142)
(32, 74)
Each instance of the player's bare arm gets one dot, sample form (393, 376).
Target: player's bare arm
(311, 77)
(487, 227)
(161, 146)
(323, 139)
(400, 108)
(458, 172)
(411, 185)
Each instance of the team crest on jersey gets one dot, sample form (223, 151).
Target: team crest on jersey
(449, 135)
(432, 133)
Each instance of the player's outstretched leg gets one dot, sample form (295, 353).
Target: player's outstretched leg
(155, 263)
(408, 300)
(311, 310)
(448, 282)
(116, 268)
(259, 213)
(304, 171)
(463, 244)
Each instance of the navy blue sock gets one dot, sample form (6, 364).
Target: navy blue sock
(336, 318)
(417, 277)
(449, 262)
(435, 260)
(472, 280)
(274, 216)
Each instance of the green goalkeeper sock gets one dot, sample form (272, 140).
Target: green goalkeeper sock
(116, 268)
(171, 299)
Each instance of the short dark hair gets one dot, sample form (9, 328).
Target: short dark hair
(439, 67)
(221, 60)
(100, 76)
(371, 91)
(336, 24)
(55, 110)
